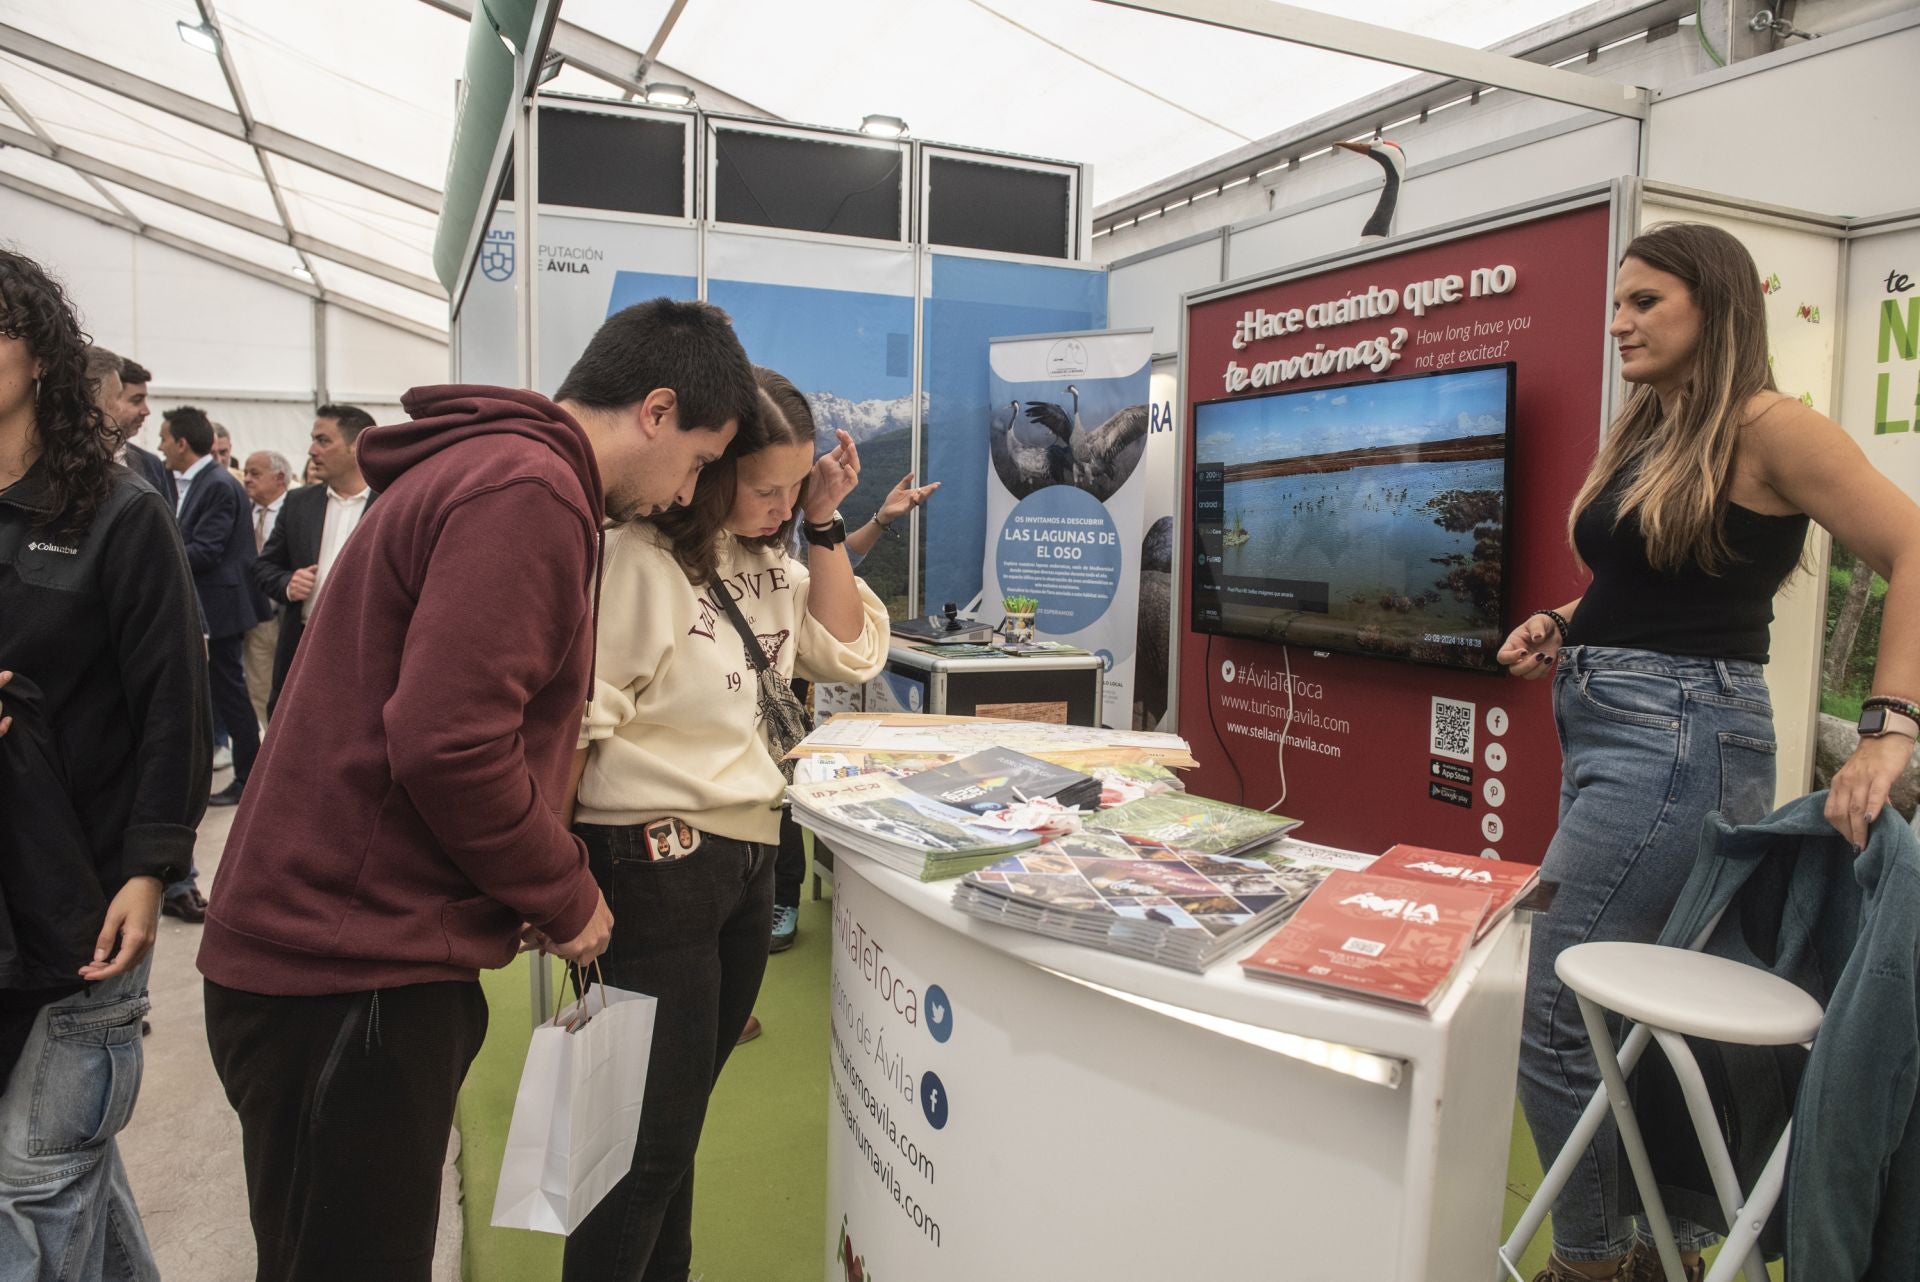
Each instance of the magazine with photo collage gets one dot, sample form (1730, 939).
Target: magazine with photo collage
(1182, 908)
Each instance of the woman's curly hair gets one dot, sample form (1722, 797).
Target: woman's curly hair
(76, 443)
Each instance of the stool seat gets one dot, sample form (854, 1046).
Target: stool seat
(1691, 993)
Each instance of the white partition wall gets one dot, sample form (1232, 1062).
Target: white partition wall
(242, 348)
(1826, 125)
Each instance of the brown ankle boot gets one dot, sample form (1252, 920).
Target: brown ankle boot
(1643, 1265)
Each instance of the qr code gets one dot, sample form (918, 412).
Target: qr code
(1452, 729)
(1365, 947)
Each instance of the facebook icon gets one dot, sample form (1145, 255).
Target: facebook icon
(933, 1100)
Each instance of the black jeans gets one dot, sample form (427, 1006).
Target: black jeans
(790, 866)
(345, 1104)
(692, 933)
(227, 684)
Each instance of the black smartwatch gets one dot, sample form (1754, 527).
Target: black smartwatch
(830, 535)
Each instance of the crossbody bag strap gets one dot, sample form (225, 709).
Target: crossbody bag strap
(755, 655)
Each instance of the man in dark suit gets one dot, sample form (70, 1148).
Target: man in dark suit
(314, 523)
(110, 394)
(215, 526)
(128, 413)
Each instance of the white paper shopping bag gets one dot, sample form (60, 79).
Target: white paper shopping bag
(577, 1115)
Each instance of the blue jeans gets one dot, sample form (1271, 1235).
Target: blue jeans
(66, 1211)
(1651, 744)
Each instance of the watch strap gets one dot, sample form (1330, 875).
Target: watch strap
(1883, 720)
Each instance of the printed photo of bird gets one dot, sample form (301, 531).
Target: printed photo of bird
(1098, 461)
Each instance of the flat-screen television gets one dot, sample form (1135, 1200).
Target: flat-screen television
(1367, 517)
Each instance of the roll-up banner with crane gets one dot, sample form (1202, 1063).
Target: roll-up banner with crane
(1066, 494)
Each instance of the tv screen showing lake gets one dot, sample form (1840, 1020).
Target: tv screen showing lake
(1368, 517)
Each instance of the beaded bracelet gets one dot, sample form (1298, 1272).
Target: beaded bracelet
(1559, 622)
(1893, 703)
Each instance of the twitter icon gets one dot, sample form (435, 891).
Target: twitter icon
(939, 1012)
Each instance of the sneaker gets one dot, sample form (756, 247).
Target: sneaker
(223, 758)
(1643, 1265)
(751, 1031)
(227, 796)
(786, 924)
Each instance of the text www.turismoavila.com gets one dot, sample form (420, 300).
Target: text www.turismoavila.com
(1305, 742)
(881, 1165)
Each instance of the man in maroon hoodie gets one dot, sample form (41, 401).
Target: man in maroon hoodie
(399, 828)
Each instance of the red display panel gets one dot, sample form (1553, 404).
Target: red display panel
(1383, 751)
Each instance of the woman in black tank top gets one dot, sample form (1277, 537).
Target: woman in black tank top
(1693, 515)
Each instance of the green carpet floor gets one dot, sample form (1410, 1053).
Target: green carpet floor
(759, 1200)
(759, 1197)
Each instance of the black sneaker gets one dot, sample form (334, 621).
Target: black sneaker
(227, 796)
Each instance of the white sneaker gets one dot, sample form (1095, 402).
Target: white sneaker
(223, 758)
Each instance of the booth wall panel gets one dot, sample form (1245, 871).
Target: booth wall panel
(1825, 129)
(837, 320)
(589, 267)
(1359, 771)
(1148, 292)
(1597, 154)
(967, 302)
(1563, 162)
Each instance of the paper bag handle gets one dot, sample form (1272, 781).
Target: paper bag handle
(581, 987)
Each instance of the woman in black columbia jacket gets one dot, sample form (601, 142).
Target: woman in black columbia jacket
(103, 779)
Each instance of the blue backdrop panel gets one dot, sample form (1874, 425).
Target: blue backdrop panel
(973, 300)
(851, 353)
(630, 287)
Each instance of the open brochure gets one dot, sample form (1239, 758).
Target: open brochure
(878, 816)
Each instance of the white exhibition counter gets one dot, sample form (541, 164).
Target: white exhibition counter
(1008, 1107)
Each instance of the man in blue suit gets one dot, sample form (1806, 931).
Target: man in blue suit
(218, 534)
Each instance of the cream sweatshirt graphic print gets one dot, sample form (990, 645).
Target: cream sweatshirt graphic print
(674, 722)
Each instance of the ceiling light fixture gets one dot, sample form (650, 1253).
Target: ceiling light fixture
(660, 93)
(884, 126)
(199, 35)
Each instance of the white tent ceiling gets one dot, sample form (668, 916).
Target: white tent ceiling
(312, 147)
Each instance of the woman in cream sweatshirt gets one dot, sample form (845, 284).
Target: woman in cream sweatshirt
(672, 755)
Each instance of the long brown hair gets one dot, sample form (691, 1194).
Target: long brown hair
(1679, 466)
(781, 417)
(77, 443)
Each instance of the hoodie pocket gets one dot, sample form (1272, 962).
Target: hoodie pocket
(480, 932)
